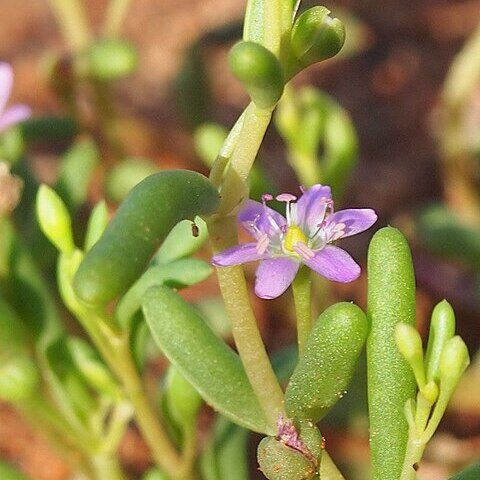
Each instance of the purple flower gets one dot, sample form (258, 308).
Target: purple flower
(15, 113)
(305, 236)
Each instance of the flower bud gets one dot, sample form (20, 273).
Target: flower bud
(409, 344)
(442, 329)
(316, 36)
(453, 362)
(259, 71)
(182, 400)
(111, 59)
(277, 461)
(19, 378)
(430, 392)
(54, 219)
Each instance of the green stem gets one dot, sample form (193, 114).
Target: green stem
(106, 467)
(328, 469)
(413, 455)
(244, 326)
(302, 289)
(163, 452)
(73, 22)
(114, 17)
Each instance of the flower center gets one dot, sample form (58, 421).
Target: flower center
(293, 235)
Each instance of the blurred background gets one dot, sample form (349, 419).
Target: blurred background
(409, 77)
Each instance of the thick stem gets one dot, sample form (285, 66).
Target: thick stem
(106, 467)
(244, 326)
(413, 455)
(73, 22)
(302, 289)
(328, 469)
(154, 433)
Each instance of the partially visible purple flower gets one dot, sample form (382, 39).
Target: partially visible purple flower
(304, 236)
(16, 113)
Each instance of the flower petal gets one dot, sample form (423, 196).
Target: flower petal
(13, 115)
(311, 207)
(6, 81)
(335, 264)
(246, 252)
(257, 218)
(274, 276)
(345, 223)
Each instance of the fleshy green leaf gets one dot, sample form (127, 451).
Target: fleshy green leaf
(178, 274)
(181, 241)
(391, 300)
(203, 359)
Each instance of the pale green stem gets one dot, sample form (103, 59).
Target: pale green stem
(273, 26)
(73, 22)
(154, 433)
(114, 17)
(106, 467)
(413, 455)
(328, 469)
(223, 233)
(302, 289)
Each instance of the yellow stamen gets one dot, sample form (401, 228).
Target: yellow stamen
(294, 235)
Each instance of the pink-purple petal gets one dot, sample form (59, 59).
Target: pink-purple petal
(335, 264)
(13, 115)
(6, 81)
(274, 276)
(312, 205)
(355, 220)
(246, 252)
(257, 218)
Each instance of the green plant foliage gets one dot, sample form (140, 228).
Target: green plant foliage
(327, 365)
(202, 358)
(141, 224)
(391, 300)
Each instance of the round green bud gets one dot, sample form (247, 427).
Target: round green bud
(259, 71)
(409, 344)
(453, 361)
(183, 401)
(108, 60)
(277, 461)
(430, 391)
(54, 219)
(316, 36)
(19, 378)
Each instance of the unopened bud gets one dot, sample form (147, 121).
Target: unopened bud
(442, 329)
(259, 71)
(97, 223)
(409, 344)
(316, 36)
(453, 361)
(54, 219)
